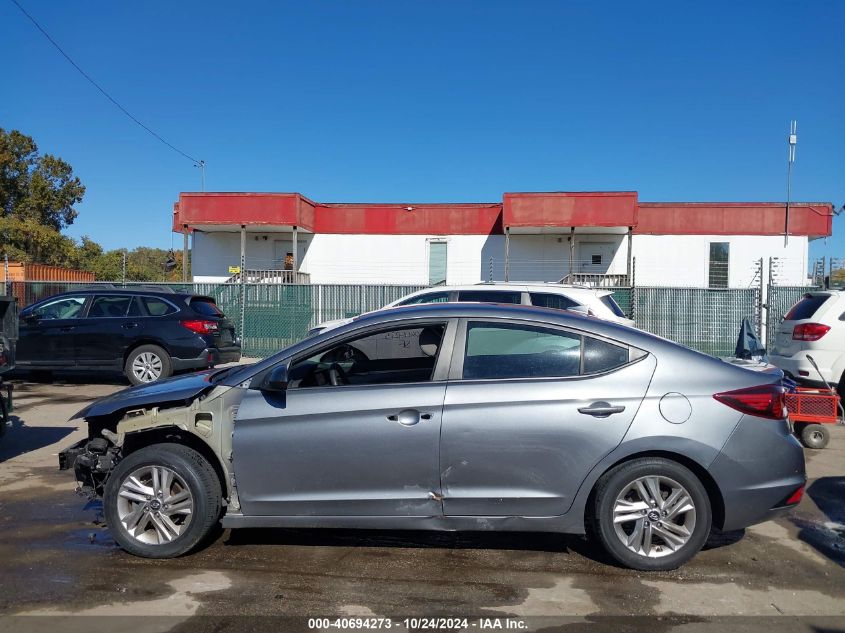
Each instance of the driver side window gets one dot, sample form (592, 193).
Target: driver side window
(64, 308)
(398, 355)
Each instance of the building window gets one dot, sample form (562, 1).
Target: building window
(596, 260)
(437, 263)
(718, 267)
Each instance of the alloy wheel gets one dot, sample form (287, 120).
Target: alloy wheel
(154, 505)
(147, 367)
(654, 516)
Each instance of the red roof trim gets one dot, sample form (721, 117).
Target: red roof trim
(524, 210)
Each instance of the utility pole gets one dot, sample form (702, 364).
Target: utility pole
(201, 165)
(793, 141)
(123, 275)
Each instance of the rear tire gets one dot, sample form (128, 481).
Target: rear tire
(651, 514)
(169, 524)
(146, 364)
(815, 436)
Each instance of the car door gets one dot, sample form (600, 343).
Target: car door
(110, 325)
(530, 409)
(356, 433)
(46, 333)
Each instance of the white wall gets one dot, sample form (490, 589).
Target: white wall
(682, 260)
(667, 260)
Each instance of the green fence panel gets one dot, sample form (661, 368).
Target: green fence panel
(701, 318)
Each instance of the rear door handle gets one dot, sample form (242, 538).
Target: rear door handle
(601, 409)
(129, 326)
(67, 328)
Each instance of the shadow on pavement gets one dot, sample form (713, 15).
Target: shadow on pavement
(826, 537)
(322, 537)
(21, 438)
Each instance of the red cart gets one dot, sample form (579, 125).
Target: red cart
(810, 411)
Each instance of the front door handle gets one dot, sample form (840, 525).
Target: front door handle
(67, 328)
(129, 326)
(601, 409)
(409, 417)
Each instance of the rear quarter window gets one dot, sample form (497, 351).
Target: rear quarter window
(158, 307)
(611, 304)
(806, 307)
(206, 308)
(549, 300)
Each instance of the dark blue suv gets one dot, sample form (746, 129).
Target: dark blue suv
(146, 334)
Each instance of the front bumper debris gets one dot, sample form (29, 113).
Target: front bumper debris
(92, 461)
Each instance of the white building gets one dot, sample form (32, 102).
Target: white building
(600, 237)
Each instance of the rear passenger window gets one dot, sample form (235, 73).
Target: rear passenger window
(158, 307)
(601, 356)
(504, 350)
(548, 300)
(490, 296)
(109, 307)
(806, 308)
(520, 351)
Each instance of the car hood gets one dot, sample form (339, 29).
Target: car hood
(173, 391)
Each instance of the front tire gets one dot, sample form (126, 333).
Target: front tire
(162, 501)
(146, 364)
(651, 514)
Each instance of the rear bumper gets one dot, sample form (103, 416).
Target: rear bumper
(760, 467)
(209, 357)
(800, 368)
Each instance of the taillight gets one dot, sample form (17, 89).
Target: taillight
(765, 401)
(795, 497)
(200, 326)
(809, 331)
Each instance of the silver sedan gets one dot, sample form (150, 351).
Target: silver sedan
(455, 417)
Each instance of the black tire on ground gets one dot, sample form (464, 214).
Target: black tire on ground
(815, 436)
(153, 351)
(201, 481)
(616, 481)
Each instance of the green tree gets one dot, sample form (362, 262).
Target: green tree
(34, 187)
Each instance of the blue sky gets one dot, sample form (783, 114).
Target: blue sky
(430, 101)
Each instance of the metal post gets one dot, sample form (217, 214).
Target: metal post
(123, 269)
(185, 253)
(761, 327)
(629, 271)
(6, 281)
(507, 252)
(571, 250)
(295, 255)
(490, 272)
(793, 141)
(243, 279)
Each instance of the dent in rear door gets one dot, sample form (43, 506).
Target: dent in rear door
(520, 447)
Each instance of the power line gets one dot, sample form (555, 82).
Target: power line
(196, 161)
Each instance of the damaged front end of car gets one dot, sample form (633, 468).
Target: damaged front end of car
(185, 410)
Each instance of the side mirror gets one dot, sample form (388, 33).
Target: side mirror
(277, 380)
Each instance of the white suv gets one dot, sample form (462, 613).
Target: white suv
(815, 326)
(592, 301)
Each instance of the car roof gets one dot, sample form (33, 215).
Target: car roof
(460, 309)
(164, 294)
(521, 287)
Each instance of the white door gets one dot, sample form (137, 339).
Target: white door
(595, 257)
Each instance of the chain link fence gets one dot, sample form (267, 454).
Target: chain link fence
(269, 317)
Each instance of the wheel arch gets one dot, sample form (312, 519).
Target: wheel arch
(714, 494)
(173, 435)
(144, 340)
